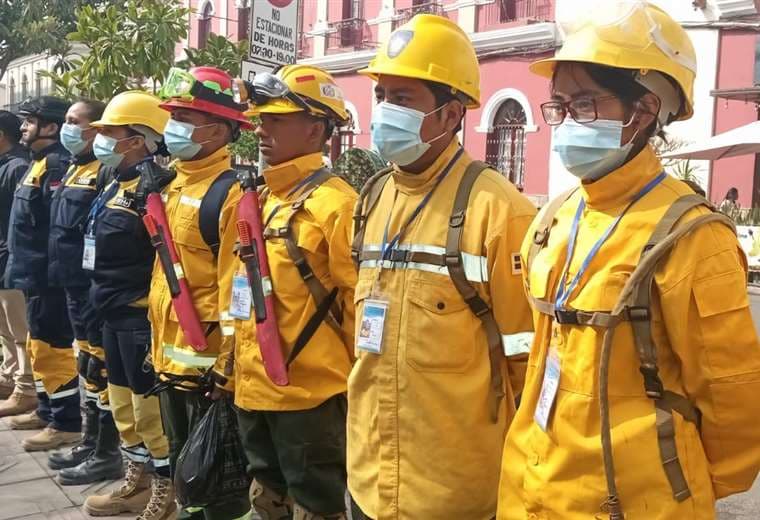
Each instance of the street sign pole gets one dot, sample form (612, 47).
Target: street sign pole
(273, 40)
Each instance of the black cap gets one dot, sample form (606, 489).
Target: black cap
(49, 108)
(10, 125)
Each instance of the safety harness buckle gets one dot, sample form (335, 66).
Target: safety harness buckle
(638, 313)
(452, 259)
(304, 269)
(652, 383)
(566, 317)
(457, 219)
(541, 237)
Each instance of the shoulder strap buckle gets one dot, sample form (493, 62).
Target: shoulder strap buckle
(652, 382)
(457, 219)
(304, 269)
(452, 259)
(566, 316)
(638, 313)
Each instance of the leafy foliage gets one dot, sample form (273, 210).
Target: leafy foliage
(219, 52)
(130, 46)
(683, 169)
(246, 149)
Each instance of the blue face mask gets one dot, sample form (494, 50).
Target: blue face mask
(396, 133)
(71, 138)
(178, 137)
(104, 147)
(591, 150)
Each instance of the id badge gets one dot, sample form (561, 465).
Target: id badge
(88, 256)
(549, 389)
(372, 326)
(240, 306)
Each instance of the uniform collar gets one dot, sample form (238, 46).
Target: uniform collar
(620, 186)
(16, 151)
(281, 179)
(56, 147)
(191, 172)
(420, 182)
(87, 158)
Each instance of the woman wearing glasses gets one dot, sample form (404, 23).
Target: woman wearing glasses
(660, 418)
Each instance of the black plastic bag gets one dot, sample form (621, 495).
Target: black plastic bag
(212, 465)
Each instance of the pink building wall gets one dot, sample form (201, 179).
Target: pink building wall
(513, 73)
(735, 70)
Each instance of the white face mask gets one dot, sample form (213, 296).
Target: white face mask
(591, 150)
(396, 133)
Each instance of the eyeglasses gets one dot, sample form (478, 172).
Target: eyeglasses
(582, 110)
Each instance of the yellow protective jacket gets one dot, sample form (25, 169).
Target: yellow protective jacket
(322, 229)
(421, 442)
(182, 200)
(707, 350)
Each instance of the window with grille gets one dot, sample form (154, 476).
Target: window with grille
(505, 143)
(204, 25)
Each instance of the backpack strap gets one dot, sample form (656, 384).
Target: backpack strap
(319, 293)
(370, 194)
(105, 174)
(544, 227)
(478, 306)
(636, 297)
(211, 209)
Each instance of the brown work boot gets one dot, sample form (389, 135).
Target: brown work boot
(27, 421)
(18, 404)
(6, 389)
(132, 497)
(49, 439)
(161, 505)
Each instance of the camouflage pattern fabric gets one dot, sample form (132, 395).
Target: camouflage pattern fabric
(357, 165)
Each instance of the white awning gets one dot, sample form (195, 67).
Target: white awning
(739, 141)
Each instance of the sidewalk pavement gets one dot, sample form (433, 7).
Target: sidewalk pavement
(28, 489)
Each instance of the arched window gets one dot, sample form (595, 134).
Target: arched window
(204, 24)
(12, 91)
(24, 86)
(505, 143)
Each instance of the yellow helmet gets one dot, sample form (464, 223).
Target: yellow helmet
(314, 86)
(639, 36)
(430, 48)
(134, 107)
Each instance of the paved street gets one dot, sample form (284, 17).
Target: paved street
(28, 490)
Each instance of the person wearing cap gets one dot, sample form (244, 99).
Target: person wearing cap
(294, 435)
(16, 381)
(118, 256)
(443, 326)
(50, 334)
(205, 119)
(97, 456)
(660, 419)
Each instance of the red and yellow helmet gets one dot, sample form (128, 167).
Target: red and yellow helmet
(205, 89)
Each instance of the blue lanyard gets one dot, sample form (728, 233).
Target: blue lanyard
(99, 204)
(389, 246)
(564, 290)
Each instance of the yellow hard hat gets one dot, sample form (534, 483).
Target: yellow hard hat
(430, 48)
(134, 107)
(314, 86)
(639, 36)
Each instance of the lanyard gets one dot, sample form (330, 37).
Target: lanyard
(388, 246)
(564, 290)
(99, 204)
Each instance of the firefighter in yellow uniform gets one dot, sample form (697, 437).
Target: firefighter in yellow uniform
(443, 328)
(294, 436)
(660, 419)
(200, 208)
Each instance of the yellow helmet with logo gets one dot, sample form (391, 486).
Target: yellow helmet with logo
(635, 35)
(134, 107)
(431, 48)
(314, 86)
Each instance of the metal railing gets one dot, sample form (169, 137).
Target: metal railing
(404, 15)
(349, 34)
(505, 11)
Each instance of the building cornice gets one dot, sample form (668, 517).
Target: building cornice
(522, 37)
(735, 8)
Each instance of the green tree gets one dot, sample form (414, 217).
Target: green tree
(246, 149)
(130, 46)
(33, 26)
(219, 52)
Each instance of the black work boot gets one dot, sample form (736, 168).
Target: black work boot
(76, 455)
(105, 463)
